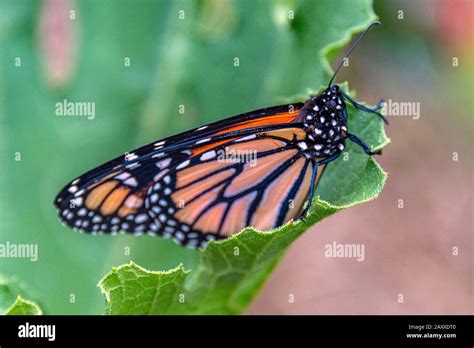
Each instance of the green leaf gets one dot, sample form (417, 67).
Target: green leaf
(23, 307)
(7, 294)
(130, 289)
(227, 277)
(11, 300)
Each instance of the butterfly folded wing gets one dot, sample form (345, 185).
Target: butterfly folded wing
(196, 186)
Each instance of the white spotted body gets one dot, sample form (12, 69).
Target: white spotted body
(325, 121)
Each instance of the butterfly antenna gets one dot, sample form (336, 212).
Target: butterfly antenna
(350, 50)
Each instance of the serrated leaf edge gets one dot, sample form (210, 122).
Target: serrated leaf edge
(20, 300)
(104, 290)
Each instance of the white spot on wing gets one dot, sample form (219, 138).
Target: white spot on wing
(203, 141)
(141, 218)
(72, 189)
(77, 201)
(163, 203)
(183, 164)
(164, 163)
(131, 182)
(130, 157)
(302, 145)
(208, 155)
(248, 137)
(133, 165)
(154, 198)
(123, 176)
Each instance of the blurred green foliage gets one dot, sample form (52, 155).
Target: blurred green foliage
(174, 62)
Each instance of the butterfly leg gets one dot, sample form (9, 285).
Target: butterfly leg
(316, 165)
(366, 109)
(311, 192)
(363, 145)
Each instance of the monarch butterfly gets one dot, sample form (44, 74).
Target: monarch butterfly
(181, 187)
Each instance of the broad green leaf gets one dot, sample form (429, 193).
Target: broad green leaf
(23, 307)
(227, 277)
(130, 289)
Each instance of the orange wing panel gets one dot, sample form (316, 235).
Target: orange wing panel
(191, 174)
(98, 194)
(265, 216)
(210, 221)
(280, 118)
(237, 215)
(114, 200)
(191, 211)
(259, 145)
(187, 194)
(288, 133)
(252, 174)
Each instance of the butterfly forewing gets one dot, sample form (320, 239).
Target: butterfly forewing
(203, 184)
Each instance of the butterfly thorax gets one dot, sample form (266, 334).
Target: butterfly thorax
(325, 122)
